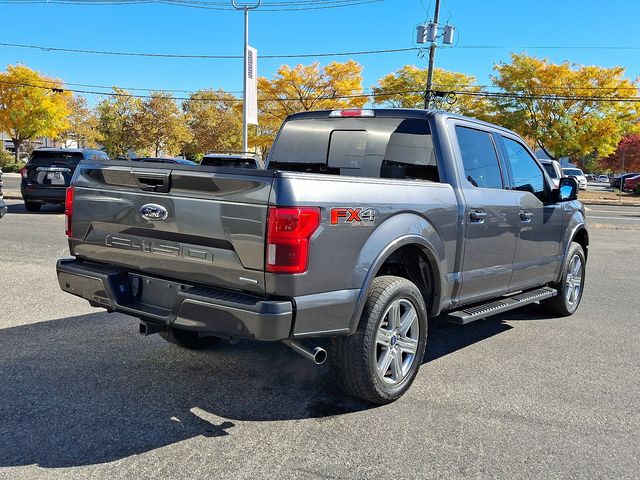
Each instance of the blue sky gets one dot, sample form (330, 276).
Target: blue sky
(510, 25)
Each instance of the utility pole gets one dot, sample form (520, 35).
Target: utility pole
(245, 129)
(432, 57)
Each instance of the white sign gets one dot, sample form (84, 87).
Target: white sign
(251, 69)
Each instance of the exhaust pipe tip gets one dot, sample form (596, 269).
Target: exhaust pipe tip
(317, 355)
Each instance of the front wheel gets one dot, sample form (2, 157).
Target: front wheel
(380, 361)
(571, 284)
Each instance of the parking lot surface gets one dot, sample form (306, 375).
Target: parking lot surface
(522, 395)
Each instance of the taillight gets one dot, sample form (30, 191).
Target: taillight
(68, 209)
(23, 172)
(288, 233)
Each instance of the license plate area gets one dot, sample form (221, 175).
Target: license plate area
(149, 292)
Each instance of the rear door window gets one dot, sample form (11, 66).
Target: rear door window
(479, 157)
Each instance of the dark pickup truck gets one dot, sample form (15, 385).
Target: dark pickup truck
(364, 224)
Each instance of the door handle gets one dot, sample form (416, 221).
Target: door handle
(525, 216)
(477, 216)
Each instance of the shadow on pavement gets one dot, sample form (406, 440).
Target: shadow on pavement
(46, 209)
(87, 389)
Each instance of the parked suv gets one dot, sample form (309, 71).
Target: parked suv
(238, 160)
(578, 175)
(3, 206)
(48, 173)
(554, 171)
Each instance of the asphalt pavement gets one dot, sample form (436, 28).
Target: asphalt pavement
(522, 395)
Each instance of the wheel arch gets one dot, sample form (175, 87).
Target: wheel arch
(397, 249)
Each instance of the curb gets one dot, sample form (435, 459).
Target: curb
(610, 203)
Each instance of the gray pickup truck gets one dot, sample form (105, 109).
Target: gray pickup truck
(364, 224)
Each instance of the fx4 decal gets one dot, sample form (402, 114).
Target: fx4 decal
(352, 216)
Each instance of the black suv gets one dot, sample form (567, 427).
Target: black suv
(48, 173)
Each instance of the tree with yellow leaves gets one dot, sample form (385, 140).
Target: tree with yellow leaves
(83, 124)
(31, 105)
(215, 120)
(161, 126)
(567, 109)
(405, 89)
(306, 87)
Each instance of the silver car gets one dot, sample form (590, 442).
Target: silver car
(578, 175)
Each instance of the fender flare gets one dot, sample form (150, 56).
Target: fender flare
(392, 247)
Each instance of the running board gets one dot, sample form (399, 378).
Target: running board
(471, 314)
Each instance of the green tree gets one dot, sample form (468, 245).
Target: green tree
(405, 89)
(306, 87)
(562, 124)
(31, 105)
(161, 126)
(117, 131)
(214, 118)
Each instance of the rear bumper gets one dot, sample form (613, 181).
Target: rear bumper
(170, 303)
(43, 194)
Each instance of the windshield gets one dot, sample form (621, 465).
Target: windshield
(550, 170)
(576, 172)
(55, 158)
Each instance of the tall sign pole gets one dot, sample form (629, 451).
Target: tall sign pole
(245, 86)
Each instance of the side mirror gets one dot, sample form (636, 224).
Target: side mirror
(568, 190)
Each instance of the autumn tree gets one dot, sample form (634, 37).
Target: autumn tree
(117, 131)
(626, 158)
(405, 89)
(82, 124)
(214, 118)
(569, 110)
(31, 105)
(161, 126)
(306, 87)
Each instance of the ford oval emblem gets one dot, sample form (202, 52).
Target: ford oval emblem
(152, 211)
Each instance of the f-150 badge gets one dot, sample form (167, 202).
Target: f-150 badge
(352, 216)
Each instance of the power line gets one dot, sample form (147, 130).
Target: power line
(217, 57)
(508, 95)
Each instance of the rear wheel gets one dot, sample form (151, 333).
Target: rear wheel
(380, 361)
(187, 339)
(32, 206)
(571, 286)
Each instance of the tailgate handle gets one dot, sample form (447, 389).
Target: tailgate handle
(153, 182)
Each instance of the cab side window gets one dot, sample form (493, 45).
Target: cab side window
(479, 157)
(527, 175)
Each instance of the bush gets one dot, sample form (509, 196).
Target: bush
(6, 158)
(12, 167)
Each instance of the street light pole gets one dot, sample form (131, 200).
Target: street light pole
(245, 128)
(432, 57)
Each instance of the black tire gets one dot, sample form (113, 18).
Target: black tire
(187, 339)
(355, 356)
(32, 206)
(561, 305)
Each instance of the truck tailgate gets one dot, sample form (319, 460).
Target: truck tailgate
(203, 225)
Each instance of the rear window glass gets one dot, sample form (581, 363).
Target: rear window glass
(55, 158)
(573, 171)
(359, 147)
(550, 170)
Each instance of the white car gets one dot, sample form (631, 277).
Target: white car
(578, 175)
(603, 178)
(553, 169)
